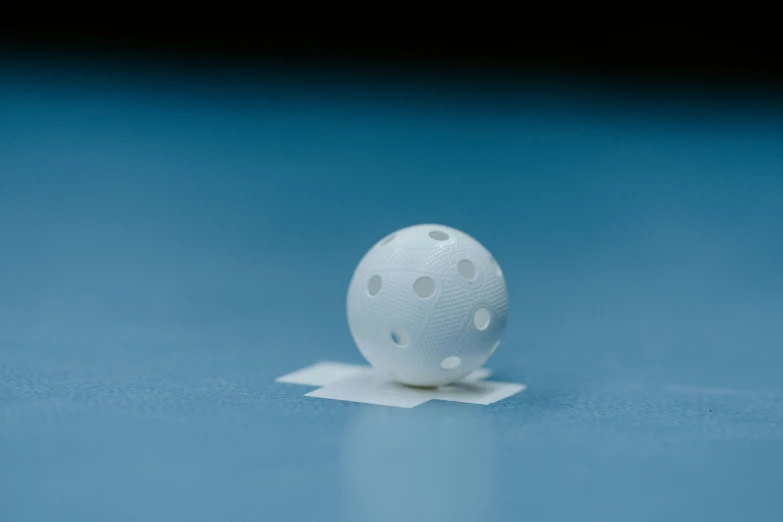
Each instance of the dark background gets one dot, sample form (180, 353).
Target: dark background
(643, 56)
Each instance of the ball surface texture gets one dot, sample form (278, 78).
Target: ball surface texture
(428, 304)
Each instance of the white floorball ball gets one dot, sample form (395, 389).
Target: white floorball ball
(428, 304)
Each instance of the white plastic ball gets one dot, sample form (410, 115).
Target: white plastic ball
(428, 304)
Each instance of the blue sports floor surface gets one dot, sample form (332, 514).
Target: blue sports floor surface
(170, 244)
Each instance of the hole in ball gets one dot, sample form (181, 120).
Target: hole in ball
(374, 285)
(401, 337)
(481, 319)
(424, 287)
(467, 269)
(438, 235)
(449, 363)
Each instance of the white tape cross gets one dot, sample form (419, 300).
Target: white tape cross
(355, 383)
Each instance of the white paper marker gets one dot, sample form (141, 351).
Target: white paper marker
(355, 383)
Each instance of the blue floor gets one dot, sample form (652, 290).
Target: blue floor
(171, 243)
